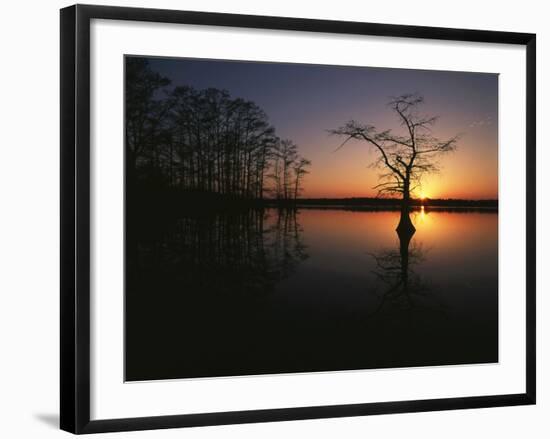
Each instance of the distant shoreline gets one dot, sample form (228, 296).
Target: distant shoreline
(204, 201)
(386, 203)
(366, 201)
(390, 208)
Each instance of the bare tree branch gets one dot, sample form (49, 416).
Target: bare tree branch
(407, 158)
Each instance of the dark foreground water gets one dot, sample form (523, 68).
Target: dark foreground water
(309, 290)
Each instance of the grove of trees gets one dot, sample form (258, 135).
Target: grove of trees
(204, 141)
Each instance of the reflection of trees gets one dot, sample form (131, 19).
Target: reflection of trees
(285, 241)
(404, 291)
(239, 253)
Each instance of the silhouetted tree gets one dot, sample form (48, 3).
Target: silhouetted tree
(145, 115)
(203, 141)
(289, 169)
(300, 166)
(405, 158)
(289, 153)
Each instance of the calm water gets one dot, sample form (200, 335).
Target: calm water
(309, 290)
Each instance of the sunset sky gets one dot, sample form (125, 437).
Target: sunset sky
(303, 101)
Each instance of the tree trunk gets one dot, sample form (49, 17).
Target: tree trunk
(405, 224)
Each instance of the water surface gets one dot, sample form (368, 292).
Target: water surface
(272, 291)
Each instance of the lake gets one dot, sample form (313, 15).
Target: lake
(283, 291)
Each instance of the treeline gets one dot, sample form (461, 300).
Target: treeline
(204, 141)
(394, 202)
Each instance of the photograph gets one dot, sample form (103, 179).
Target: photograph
(266, 220)
(289, 218)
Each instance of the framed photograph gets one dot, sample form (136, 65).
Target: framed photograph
(267, 219)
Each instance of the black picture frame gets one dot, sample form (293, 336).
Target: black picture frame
(75, 217)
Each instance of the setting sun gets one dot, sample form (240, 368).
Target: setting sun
(422, 195)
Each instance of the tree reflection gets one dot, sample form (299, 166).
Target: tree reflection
(404, 293)
(238, 253)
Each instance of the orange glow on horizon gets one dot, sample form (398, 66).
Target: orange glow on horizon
(470, 172)
(349, 177)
